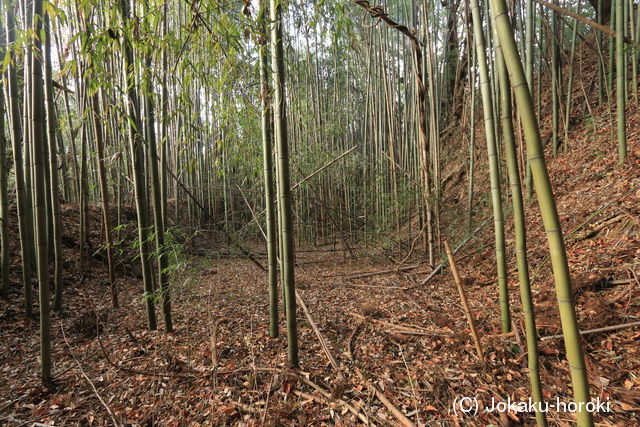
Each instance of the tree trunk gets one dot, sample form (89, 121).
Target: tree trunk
(496, 196)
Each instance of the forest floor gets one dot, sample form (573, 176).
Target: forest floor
(221, 368)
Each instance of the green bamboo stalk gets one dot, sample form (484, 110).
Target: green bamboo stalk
(137, 158)
(529, 38)
(26, 243)
(601, 70)
(472, 139)
(621, 83)
(4, 197)
(52, 125)
(634, 52)
(612, 48)
(284, 184)
(39, 143)
(267, 154)
(496, 197)
(549, 212)
(555, 37)
(520, 235)
(572, 56)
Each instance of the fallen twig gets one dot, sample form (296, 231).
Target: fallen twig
(401, 329)
(381, 397)
(93, 387)
(352, 285)
(381, 272)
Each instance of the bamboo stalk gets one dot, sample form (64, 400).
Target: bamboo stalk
(465, 303)
(548, 210)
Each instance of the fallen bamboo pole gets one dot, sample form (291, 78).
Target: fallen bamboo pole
(463, 298)
(464, 242)
(323, 342)
(585, 332)
(308, 177)
(401, 329)
(602, 28)
(381, 272)
(402, 418)
(391, 288)
(597, 330)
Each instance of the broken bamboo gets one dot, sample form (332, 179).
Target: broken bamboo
(463, 298)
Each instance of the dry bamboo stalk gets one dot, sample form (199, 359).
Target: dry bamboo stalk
(381, 272)
(401, 329)
(597, 330)
(402, 418)
(352, 285)
(587, 332)
(463, 298)
(323, 342)
(323, 168)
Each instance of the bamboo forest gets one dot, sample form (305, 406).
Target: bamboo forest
(333, 212)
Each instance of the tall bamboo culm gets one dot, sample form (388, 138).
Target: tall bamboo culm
(520, 235)
(550, 218)
(621, 84)
(284, 184)
(38, 126)
(496, 197)
(136, 153)
(16, 131)
(267, 153)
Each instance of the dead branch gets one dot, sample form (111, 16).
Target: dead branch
(93, 387)
(401, 329)
(253, 215)
(382, 272)
(214, 343)
(381, 397)
(351, 285)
